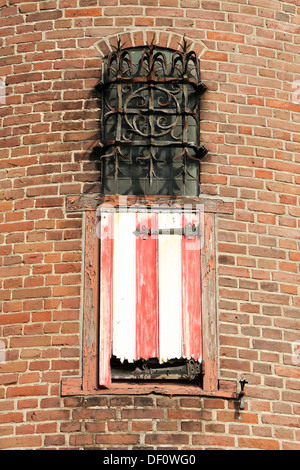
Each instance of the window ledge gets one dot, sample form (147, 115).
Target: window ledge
(91, 203)
(74, 386)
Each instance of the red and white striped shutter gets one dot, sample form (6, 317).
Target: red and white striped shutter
(150, 289)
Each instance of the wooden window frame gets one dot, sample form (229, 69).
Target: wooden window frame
(87, 382)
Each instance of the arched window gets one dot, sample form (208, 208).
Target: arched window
(150, 100)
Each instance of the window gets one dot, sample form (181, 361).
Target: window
(149, 297)
(150, 121)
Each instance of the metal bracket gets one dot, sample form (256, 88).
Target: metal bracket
(242, 394)
(189, 231)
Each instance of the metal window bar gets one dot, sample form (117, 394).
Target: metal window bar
(150, 115)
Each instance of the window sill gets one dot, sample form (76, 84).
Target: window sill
(91, 203)
(74, 386)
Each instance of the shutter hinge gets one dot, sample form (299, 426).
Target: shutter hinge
(189, 231)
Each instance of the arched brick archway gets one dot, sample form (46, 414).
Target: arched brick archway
(141, 37)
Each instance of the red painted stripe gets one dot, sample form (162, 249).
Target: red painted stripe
(191, 291)
(106, 264)
(146, 290)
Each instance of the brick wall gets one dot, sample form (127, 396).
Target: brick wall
(50, 62)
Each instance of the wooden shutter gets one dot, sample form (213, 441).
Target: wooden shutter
(150, 288)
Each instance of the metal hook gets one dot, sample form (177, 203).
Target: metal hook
(242, 394)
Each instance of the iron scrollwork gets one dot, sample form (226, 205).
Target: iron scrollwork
(150, 118)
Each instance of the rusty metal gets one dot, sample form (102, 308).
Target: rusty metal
(150, 115)
(190, 370)
(242, 394)
(189, 231)
(187, 371)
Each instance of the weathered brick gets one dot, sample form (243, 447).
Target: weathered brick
(85, 12)
(28, 442)
(27, 391)
(265, 444)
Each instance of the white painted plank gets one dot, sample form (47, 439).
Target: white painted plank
(124, 286)
(169, 261)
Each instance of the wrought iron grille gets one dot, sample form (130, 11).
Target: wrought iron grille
(150, 143)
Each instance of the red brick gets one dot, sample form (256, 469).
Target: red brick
(12, 417)
(94, 414)
(189, 414)
(48, 415)
(142, 414)
(54, 440)
(215, 56)
(25, 38)
(16, 227)
(32, 293)
(215, 441)
(88, 12)
(27, 391)
(165, 439)
(27, 442)
(14, 318)
(81, 440)
(225, 37)
(287, 105)
(116, 439)
(263, 444)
